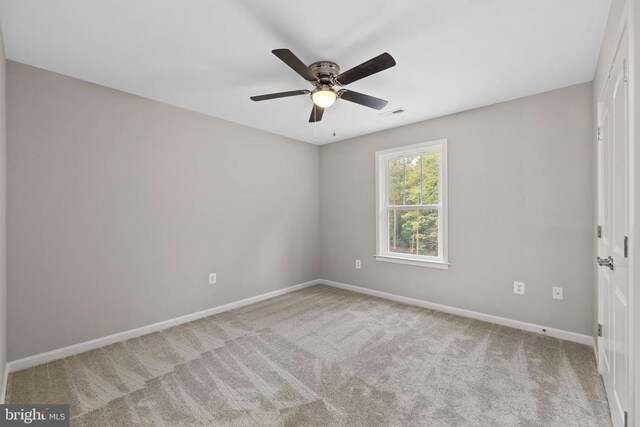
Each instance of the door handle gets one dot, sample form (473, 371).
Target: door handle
(605, 262)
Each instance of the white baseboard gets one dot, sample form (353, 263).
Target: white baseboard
(544, 330)
(49, 356)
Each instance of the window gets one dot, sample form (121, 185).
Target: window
(412, 204)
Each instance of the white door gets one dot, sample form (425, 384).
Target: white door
(612, 244)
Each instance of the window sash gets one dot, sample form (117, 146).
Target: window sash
(383, 205)
(414, 207)
(439, 258)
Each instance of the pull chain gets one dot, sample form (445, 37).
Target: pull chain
(333, 119)
(315, 125)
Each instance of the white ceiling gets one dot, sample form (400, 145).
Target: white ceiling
(210, 56)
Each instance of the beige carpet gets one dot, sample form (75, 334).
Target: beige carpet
(324, 356)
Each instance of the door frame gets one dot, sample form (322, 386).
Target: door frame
(598, 184)
(633, 12)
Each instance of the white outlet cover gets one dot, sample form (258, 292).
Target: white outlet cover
(558, 293)
(213, 278)
(518, 288)
(358, 264)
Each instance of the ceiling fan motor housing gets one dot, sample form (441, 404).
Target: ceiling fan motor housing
(326, 71)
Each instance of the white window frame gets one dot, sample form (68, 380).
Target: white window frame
(382, 207)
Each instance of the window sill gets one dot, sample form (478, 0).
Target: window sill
(410, 261)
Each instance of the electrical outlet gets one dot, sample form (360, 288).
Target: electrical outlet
(213, 278)
(358, 264)
(518, 288)
(557, 293)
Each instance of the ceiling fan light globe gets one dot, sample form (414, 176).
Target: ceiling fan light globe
(324, 98)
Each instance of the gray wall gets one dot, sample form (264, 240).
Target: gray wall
(3, 212)
(520, 208)
(119, 207)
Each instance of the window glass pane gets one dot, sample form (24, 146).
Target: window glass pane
(413, 231)
(396, 181)
(412, 180)
(430, 178)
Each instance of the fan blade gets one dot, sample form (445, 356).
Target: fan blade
(280, 95)
(372, 66)
(362, 99)
(294, 62)
(316, 114)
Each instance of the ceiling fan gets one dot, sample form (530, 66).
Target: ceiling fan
(324, 75)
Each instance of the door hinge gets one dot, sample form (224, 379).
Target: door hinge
(599, 232)
(626, 246)
(599, 329)
(598, 134)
